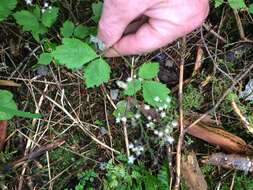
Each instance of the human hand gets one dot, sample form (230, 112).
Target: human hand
(167, 21)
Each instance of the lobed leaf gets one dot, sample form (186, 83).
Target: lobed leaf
(148, 70)
(96, 73)
(73, 53)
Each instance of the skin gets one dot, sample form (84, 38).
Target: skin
(168, 20)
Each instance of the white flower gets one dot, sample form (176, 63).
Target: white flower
(157, 98)
(160, 134)
(168, 100)
(174, 123)
(149, 117)
(117, 119)
(163, 114)
(146, 107)
(46, 4)
(124, 119)
(169, 139)
(137, 116)
(167, 131)
(134, 76)
(50, 7)
(131, 146)
(129, 79)
(150, 124)
(165, 106)
(43, 10)
(131, 159)
(160, 108)
(156, 132)
(28, 2)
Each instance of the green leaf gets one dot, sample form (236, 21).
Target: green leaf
(82, 31)
(8, 102)
(6, 6)
(96, 73)
(67, 29)
(36, 12)
(132, 87)
(49, 16)
(28, 21)
(97, 11)
(237, 4)
(152, 90)
(148, 70)
(18, 113)
(250, 9)
(45, 59)
(74, 53)
(8, 107)
(218, 3)
(121, 109)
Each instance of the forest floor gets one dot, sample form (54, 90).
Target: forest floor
(77, 144)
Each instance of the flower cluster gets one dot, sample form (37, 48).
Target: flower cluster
(137, 150)
(45, 7)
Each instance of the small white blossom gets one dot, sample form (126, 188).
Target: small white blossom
(149, 117)
(174, 123)
(124, 119)
(117, 119)
(165, 106)
(167, 131)
(147, 107)
(50, 7)
(150, 124)
(160, 108)
(129, 79)
(43, 10)
(169, 139)
(156, 132)
(28, 2)
(163, 114)
(137, 116)
(46, 4)
(131, 159)
(168, 100)
(131, 146)
(160, 134)
(157, 98)
(134, 76)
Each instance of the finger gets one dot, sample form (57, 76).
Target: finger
(117, 15)
(149, 37)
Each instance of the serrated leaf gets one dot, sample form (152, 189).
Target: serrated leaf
(97, 11)
(27, 20)
(148, 70)
(73, 53)
(96, 73)
(237, 4)
(49, 16)
(132, 87)
(250, 9)
(82, 31)
(45, 59)
(6, 6)
(67, 29)
(152, 90)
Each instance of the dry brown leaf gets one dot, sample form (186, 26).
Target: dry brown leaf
(217, 136)
(191, 172)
